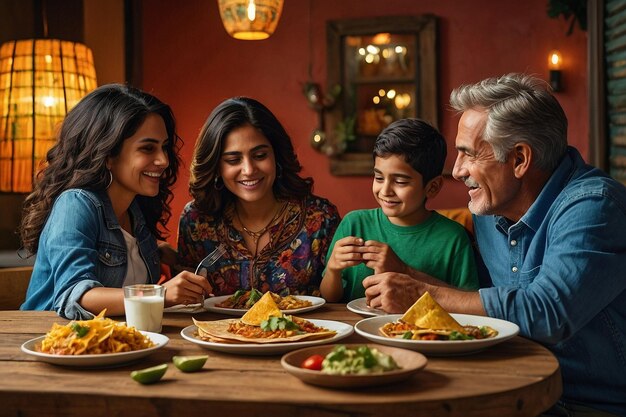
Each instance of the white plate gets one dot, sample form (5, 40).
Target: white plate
(181, 308)
(105, 359)
(210, 305)
(368, 328)
(343, 330)
(359, 306)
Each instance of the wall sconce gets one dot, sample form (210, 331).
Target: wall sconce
(250, 19)
(40, 81)
(554, 65)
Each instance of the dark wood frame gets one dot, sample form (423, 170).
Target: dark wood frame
(133, 42)
(598, 140)
(424, 28)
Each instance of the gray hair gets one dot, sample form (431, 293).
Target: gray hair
(519, 109)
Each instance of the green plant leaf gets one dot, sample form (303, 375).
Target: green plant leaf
(571, 10)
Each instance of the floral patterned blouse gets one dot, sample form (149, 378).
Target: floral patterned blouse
(292, 263)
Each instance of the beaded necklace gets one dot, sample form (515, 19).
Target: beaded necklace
(256, 235)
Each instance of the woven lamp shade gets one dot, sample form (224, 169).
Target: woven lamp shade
(250, 19)
(40, 81)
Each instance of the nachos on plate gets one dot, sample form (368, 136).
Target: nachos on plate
(99, 335)
(263, 323)
(427, 320)
(243, 299)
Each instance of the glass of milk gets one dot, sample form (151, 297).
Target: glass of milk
(144, 306)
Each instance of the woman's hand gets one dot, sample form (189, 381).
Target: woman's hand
(186, 288)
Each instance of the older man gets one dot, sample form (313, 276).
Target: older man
(551, 232)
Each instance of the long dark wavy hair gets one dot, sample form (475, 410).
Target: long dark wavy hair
(226, 117)
(93, 131)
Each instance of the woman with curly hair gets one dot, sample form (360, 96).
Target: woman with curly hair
(249, 198)
(93, 217)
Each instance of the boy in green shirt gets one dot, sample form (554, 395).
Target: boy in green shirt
(408, 161)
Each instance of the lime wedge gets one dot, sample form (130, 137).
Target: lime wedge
(149, 375)
(190, 363)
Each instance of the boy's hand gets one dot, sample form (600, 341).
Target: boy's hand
(347, 252)
(381, 258)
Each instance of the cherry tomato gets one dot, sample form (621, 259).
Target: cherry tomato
(313, 363)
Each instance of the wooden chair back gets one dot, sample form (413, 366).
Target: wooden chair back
(461, 215)
(13, 285)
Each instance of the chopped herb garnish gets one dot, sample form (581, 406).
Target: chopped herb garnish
(255, 295)
(369, 361)
(337, 354)
(407, 335)
(237, 295)
(278, 323)
(81, 331)
(454, 335)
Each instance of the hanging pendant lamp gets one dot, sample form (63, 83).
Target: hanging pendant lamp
(250, 19)
(40, 81)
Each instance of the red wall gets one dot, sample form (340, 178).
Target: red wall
(191, 63)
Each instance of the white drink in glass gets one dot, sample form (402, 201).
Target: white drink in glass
(144, 313)
(144, 310)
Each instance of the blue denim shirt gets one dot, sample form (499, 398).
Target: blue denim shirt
(81, 247)
(560, 274)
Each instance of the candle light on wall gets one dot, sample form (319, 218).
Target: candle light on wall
(555, 62)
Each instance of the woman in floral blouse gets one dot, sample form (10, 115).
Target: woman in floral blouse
(249, 198)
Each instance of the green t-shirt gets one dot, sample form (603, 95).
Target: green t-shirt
(439, 247)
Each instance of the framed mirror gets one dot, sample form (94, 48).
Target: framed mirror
(386, 68)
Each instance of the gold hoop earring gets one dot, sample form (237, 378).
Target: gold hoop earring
(217, 184)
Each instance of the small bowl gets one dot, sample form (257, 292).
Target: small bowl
(409, 361)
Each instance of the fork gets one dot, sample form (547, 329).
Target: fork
(210, 259)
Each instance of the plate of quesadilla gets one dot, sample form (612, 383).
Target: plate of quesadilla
(264, 329)
(426, 327)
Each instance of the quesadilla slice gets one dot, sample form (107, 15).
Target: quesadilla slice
(426, 313)
(427, 320)
(263, 323)
(262, 310)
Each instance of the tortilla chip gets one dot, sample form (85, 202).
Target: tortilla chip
(262, 310)
(217, 331)
(426, 313)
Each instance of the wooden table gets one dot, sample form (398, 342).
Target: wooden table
(515, 378)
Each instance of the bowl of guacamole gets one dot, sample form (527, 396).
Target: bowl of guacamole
(349, 366)
(357, 360)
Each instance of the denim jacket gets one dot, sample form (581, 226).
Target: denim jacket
(560, 274)
(81, 247)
